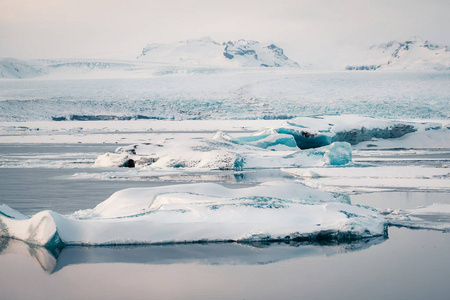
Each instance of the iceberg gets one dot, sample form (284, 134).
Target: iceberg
(313, 132)
(222, 152)
(202, 212)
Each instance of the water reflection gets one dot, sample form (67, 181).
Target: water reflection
(55, 259)
(249, 176)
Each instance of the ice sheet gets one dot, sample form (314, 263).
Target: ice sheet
(369, 179)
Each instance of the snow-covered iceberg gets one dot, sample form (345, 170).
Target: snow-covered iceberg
(312, 132)
(200, 212)
(223, 152)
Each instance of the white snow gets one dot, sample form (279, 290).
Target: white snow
(201, 212)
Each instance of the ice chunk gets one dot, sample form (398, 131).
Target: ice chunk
(223, 152)
(266, 139)
(40, 229)
(338, 153)
(202, 212)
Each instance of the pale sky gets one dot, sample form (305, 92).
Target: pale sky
(312, 30)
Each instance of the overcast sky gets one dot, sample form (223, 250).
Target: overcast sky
(307, 30)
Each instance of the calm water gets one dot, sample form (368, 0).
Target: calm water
(410, 264)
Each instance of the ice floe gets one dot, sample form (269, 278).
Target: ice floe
(271, 211)
(370, 179)
(435, 216)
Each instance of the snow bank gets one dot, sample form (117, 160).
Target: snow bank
(201, 212)
(223, 152)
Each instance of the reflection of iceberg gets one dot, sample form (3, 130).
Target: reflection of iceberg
(187, 176)
(206, 253)
(43, 257)
(272, 211)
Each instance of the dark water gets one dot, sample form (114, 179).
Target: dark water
(409, 264)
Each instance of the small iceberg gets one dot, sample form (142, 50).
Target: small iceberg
(265, 149)
(203, 212)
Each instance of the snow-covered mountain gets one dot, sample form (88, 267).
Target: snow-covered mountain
(191, 56)
(207, 52)
(413, 54)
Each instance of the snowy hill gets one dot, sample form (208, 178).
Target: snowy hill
(413, 54)
(207, 52)
(15, 68)
(68, 68)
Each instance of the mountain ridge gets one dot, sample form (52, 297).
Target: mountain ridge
(412, 54)
(206, 51)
